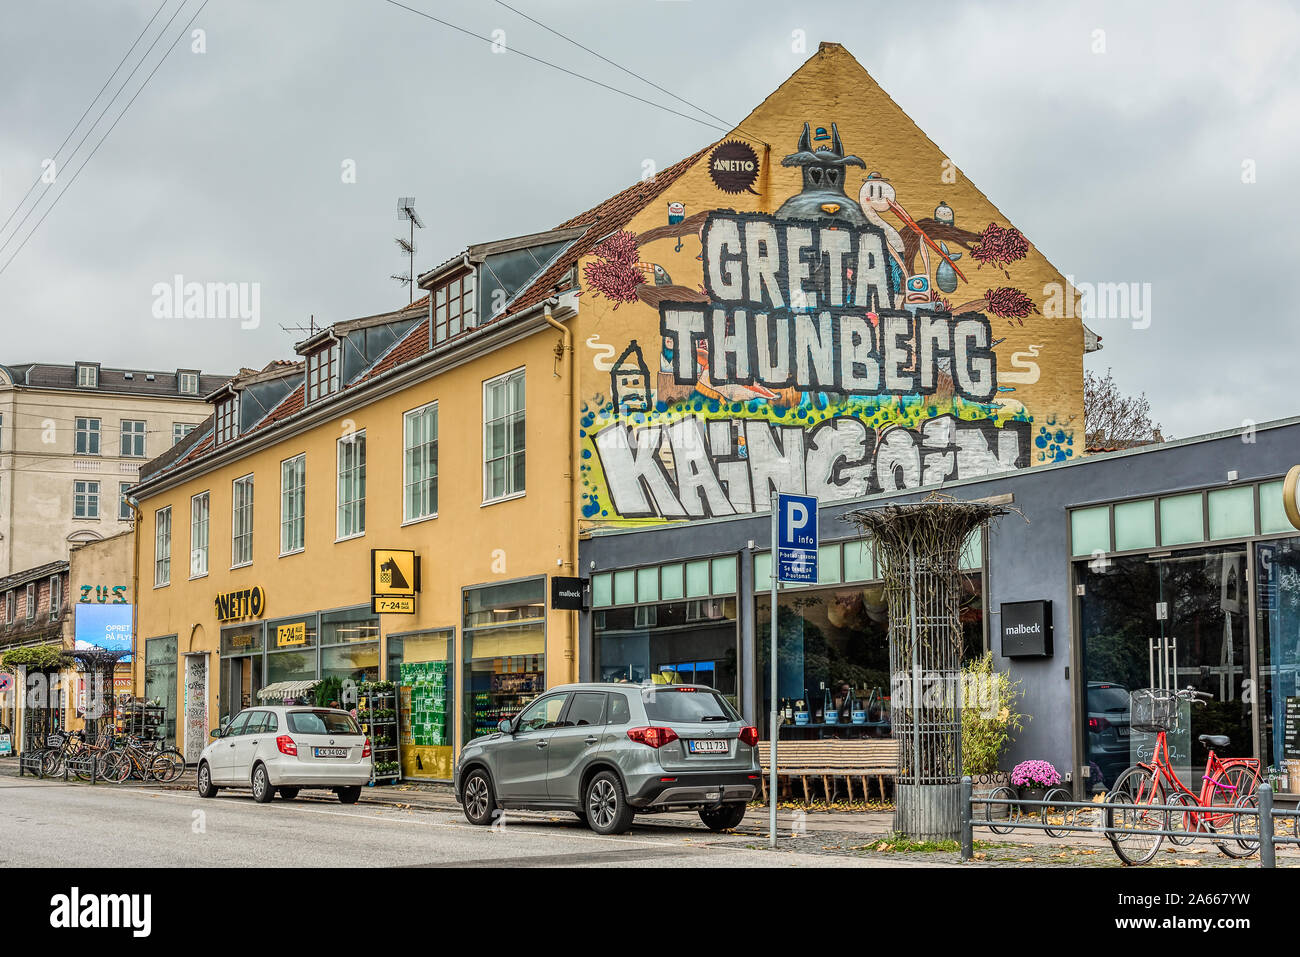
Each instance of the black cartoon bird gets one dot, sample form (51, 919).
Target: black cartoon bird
(822, 196)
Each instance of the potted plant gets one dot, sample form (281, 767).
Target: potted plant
(989, 720)
(1033, 778)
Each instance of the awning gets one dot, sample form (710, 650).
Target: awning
(283, 690)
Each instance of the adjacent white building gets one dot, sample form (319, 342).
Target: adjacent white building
(72, 440)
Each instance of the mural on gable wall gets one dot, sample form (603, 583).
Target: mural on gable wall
(840, 345)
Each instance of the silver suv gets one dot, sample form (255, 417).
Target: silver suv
(608, 751)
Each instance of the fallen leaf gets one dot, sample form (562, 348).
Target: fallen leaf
(1186, 862)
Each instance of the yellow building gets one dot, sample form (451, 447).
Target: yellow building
(775, 311)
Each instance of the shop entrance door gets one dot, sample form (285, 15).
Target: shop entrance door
(243, 682)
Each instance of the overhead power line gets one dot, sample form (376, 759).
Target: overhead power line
(107, 133)
(55, 155)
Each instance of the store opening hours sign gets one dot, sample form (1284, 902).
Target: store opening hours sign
(796, 538)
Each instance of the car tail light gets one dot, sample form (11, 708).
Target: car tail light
(654, 737)
(749, 736)
(1098, 724)
(287, 745)
(365, 751)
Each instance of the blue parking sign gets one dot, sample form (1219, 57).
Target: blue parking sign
(796, 538)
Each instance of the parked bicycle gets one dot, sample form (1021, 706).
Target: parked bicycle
(1134, 816)
(138, 761)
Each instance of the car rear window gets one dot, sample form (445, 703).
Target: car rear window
(687, 704)
(1108, 698)
(322, 722)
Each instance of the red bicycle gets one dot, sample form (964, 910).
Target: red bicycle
(1134, 828)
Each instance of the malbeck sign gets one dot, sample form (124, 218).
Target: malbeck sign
(1026, 629)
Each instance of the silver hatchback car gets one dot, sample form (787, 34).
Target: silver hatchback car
(607, 752)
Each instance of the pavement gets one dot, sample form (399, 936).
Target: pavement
(53, 823)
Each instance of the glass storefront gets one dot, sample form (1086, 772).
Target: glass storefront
(679, 642)
(426, 695)
(241, 669)
(504, 652)
(349, 642)
(1170, 620)
(160, 679)
(291, 650)
(1277, 641)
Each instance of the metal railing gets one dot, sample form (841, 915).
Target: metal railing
(1267, 837)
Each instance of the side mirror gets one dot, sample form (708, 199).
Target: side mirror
(214, 733)
(506, 726)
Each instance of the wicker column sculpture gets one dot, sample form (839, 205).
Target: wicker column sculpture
(920, 549)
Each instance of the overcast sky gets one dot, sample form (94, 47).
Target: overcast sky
(1121, 166)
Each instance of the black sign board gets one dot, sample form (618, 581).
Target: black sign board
(1291, 740)
(568, 594)
(1026, 629)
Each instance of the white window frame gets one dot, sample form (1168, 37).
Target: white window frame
(324, 367)
(427, 459)
(200, 534)
(90, 432)
(124, 511)
(30, 610)
(226, 423)
(351, 487)
(87, 377)
(241, 527)
(453, 307)
(56, 597)
(183, 381)
(162, 547)
(289, 496)
(508, 420)
(132, 434)
(89, 495)
(181, 429)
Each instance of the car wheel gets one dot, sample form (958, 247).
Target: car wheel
(607, 809)
(478, 802)
(289, 793)
(206, 788)
(349, 795)
(262, 790)
(722, 818)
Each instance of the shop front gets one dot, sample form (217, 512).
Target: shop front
(504, 654)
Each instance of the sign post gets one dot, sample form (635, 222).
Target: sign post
(794, 559)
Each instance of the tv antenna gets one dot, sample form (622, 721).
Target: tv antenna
(306, 331)
(406, 211)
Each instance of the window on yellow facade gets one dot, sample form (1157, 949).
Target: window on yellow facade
(162, 547)
(453, 307)
(241, 521)
(293, 503)
(503, 436)
(199, 535)
(420, 463)
(227, 427)
(323, 372)
(352, 485)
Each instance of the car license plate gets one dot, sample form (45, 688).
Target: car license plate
(707, 747)
(330, 752)
(1121, 732)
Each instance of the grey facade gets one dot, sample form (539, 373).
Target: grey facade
(1025, 558)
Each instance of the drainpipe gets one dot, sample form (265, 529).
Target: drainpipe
(134, 504)
(570, 500)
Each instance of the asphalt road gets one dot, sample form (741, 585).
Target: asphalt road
(52, 824)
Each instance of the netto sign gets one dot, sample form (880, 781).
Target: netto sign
(1026, 629)
(244, 603)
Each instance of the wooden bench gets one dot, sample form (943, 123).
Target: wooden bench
(863, 759)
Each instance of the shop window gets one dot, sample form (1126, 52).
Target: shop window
(426, 682)
(241, 669)
(1182, 519)
(349, 642)
(625, 588)
(647, 584)
(1272, 516)
(1135, 525)
(291, 650)
(160, 679)
(1090, 530)
(972, 552)
(504, 639)
(1277, 639)
(828, 565)
(763, 571)
(671, 642)
(1231, 512)
(602, 590)
(671, 586)
(859, 563)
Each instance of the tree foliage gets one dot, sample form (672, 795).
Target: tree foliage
(38, 658)
(1112, 419)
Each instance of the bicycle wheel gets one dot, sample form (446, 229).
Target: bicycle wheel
(1187, 820)
(1245, 827)
(52, 763)
(1066, 814)
(1004, 805)
(1129, 825)
(82, 765)
(117, 767)
(167, 765)
(1227, 787)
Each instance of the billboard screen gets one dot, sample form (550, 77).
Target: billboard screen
(103, 626)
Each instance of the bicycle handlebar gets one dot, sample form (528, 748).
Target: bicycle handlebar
(1190, 692)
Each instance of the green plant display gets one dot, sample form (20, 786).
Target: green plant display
(38, 658)
(989, 718)
(328, 692)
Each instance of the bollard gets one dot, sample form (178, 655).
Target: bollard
(1267, 849)
(967, 829)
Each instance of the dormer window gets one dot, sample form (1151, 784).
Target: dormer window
(228, 419)
(187, 383)
(87, 375)
(323, 372)
(453, 307)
